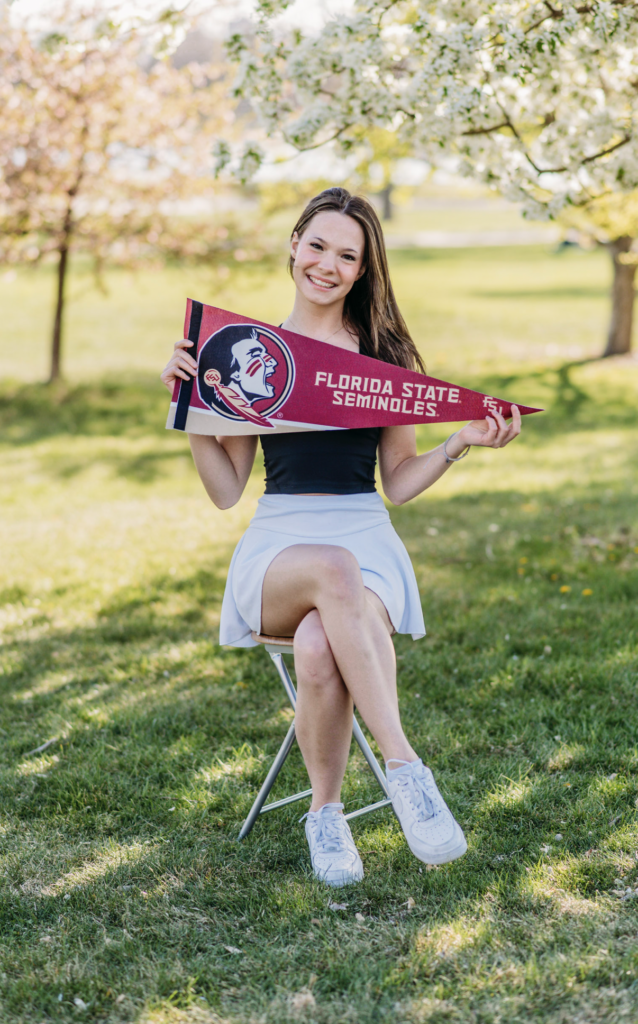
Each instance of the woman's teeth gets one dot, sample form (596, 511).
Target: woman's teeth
(320, 284)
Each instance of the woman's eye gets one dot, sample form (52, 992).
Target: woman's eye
(315, 245)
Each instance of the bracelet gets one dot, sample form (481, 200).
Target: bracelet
(448, 458)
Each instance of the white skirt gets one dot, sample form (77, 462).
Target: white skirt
(358, 522)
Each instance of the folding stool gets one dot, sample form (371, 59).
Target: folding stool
(277, 646)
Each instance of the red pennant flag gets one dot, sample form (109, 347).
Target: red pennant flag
(253, 378)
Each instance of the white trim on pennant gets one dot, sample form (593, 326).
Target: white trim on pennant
(206, 421)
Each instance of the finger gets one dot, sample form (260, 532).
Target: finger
(502, 431)
(514, 428)
(186, 362)
(183, 343)
(489, 436)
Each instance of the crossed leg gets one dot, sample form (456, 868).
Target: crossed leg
(343, 655)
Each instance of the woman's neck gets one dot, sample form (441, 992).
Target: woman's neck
(324, 323)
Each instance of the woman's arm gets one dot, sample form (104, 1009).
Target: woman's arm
(404, 474)
(223, 463)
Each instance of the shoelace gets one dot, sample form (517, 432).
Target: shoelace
(329, 834)
(414, 790)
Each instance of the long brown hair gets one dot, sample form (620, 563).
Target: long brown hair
(370, 309)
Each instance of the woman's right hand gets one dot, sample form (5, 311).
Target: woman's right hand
(180, 366)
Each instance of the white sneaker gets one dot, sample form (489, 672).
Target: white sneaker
(427, 822)
(335, 858)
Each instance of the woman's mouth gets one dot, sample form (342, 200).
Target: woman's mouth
(319, 283)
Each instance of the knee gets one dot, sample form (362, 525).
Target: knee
(341, 575)
(314, 661)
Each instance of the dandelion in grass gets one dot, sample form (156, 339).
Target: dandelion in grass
(587, 592)
(565, 589)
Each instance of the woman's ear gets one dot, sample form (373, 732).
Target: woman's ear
(362, 271)
(294, 244)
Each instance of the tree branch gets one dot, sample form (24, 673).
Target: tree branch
(318, 145)
(605, 152)
(486, 131)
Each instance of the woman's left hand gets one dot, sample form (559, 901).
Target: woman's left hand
(492, 432)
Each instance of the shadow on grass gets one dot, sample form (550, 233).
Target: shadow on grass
(566, 401)
(121, 870)
(31, 412)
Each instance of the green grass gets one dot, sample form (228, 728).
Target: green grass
(122, 880)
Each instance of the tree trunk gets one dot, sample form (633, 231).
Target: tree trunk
(56, 341)
(386, 202)
(622, 297)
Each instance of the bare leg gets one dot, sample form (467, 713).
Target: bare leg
(323, 718)
(327, 578)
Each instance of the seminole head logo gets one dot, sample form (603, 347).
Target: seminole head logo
(245, 372)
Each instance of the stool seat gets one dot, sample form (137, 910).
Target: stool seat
(278, 641)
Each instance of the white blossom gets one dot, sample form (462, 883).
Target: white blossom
(534, 98)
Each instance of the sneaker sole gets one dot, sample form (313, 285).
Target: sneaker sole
(344, 878)
(445, 857)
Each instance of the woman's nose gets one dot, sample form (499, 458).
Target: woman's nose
(327, 263)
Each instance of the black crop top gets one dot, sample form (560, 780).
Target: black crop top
(321, 461)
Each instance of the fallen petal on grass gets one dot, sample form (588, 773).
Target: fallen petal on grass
(302, 1000)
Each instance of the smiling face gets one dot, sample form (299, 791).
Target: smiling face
(254, 364)
(328, 257)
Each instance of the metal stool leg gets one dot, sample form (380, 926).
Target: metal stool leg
(284, 675)
(366, 750)
(376, 769)
(258, 806)
(269, 781)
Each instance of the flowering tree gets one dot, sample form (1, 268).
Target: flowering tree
(99, 155)
(535, 97)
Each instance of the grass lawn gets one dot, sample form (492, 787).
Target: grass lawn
(124, 894)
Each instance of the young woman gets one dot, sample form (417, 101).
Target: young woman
(320, 560)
